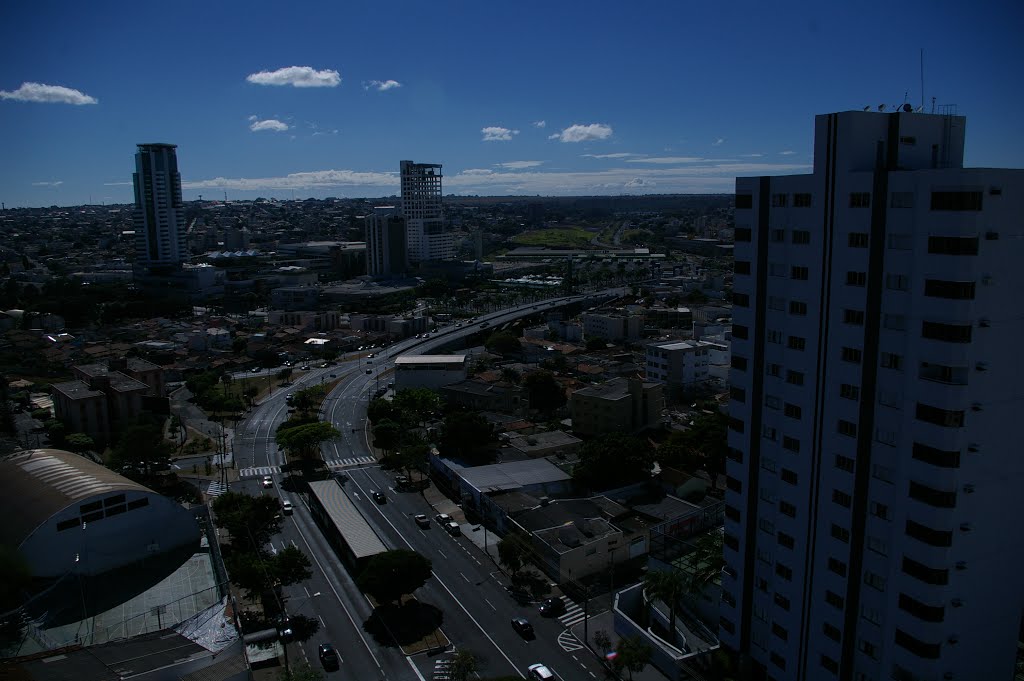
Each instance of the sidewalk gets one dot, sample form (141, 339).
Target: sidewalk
(606, 622)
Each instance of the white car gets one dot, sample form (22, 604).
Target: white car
(286, 507)
(540, 672)
(268, 481)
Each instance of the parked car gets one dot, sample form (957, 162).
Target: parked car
(379, 497)
(369, 371)
(286, 507)
(268, 481)
(442, 519)
(329, 656)
(552, 607)
(305, 367)
(422, 521)
(523, 627)
(540, 672)
(452, 528)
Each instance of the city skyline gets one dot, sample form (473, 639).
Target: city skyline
(325, 103)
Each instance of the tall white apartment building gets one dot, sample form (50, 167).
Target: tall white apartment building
(160, 244)
(385, 242)
(875, 492)
(426, 235)
(683, 364)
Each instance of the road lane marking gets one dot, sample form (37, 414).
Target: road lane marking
(464, 577)
(490, 604)
(415, 670)
(442, 554)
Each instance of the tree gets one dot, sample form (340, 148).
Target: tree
(304, 441)
(503, 343)
(392, 574)
(545, 393)
(705, 562)
(633, 655)
(595, 343)
(301, 673)
(466, 435)
(387, 434)
(464, 663)
(666, 586)
(514, 550)
(79, 442)
(250, 393)
(291, 566)
(602, 640)
(511, 375)
(416, 404)
(250, 521)
(614, 460)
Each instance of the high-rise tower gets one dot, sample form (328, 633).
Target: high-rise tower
(427, 237)
(873, 488)
(385, 242)
(159, 211)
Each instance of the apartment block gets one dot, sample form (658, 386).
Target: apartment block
(621, 405)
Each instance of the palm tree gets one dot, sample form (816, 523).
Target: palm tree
(667, 586)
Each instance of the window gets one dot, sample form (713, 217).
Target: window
(766, 526)
(797, 307)
(946, 418)
(856, 278)
(840, 533)
(781, 601)
(868, 648)
(933, 497)
(857, 240)
(790, 443)
(942, 374)
(842, 498)
(773, 335)
(874, 581)
(740, 299)
(837, 566)
(932, 537)
(784, 571)
(799, 273)
(908, 141)
(785, 541)
(958, 201)
(849, 392)
(733, 484)
(787, 509)
(883, 473)
(732, 513)
(953, 290)
(834, 599)
(796, 343)
(115, 510)
(778, 235)
(897, 282)
(928, 575)
(742, 267)
(851, 355)
(922, 611)
(68, 524)
(877, 545)
(138, 503)
(891, 360)
(772, 401)
(739, 363)
(902, 200)
(860, 200)
(950, 333)
(92, 506)
(928, 651)
(778, 660)
(880, 510)
(788, 476)
(738, 394)
(829, 664)
(742, 234)
(780, 631)
(792, 411)
(116, 499)
(773, 370)
(847, 428)
(873, 615)
(769, 433)
(794, 377)
(92, 517)
(844, 463)
(801, 200)
(855, 317)
(953, 245)
(831, 632)
(764, 556)
(936, 457)
(801, 236)
(740, 331)
(731, 541)
(727, 625)
(744, 201)
(779, 200)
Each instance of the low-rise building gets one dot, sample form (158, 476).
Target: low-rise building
(612, 326)
(548, 443)
(500, 396)
(680, 364)
(429, 371)
(621, 405)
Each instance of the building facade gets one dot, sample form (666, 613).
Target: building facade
(871, 475)
(612, 326)
(386, 248)
(620, 405)
(160, 245)
(426, 236)
(681, 364)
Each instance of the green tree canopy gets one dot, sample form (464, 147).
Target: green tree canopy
(392, 574)
(416, 404)
(250, 521)
(613, 460)
(546, 394)
(466, 435)
(304, 441)
(387, 434)
(633, 655)
(514, 551)
(503, 343)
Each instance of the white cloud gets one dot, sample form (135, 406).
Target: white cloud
(666, 160)
(787, 152)
(253, 117)
(639, 182)
(269, 124)
(382, 85)
(296, 76)
(718, 142)
(751, 155)
(305, 180)
(540, 124)
(584, 133)
(117, 184)
(470, 172)
(48, 184)
(48, 94)
(620, 154)
(519, 165)
(495, 133)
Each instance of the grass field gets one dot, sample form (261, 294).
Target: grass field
(567, 237)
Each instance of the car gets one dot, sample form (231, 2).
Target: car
(379, 497)
(369, 371)
(540, 672)
(372, 355)
(324, 365)
(552, 607)
(268, 481)
(286, 507)
(452, 528)
(523, 627)
(422, 521)
(419, 335)
(458, 325)
(443, 519)
(255, 370)
(305, 367)
(426, 335)
(484, 325)
(329, 657)
(289, 398)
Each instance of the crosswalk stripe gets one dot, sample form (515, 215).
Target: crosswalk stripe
(216, 488)
(259, 470)
(352, 461)
(573, 613)
(568, 642)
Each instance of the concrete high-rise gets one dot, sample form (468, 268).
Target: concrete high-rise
(426, 235)
(874, 480)
(385, 243)
(159, 211)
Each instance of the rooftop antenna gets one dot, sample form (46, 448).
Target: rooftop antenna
(922, 79)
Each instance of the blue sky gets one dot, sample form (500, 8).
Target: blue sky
(552, 98)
